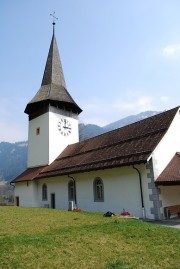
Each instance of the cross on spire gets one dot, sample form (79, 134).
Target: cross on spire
(54, 18)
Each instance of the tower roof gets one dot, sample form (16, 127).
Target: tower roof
(53, 89)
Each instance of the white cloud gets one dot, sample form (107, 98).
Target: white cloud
(137, 105)
(96, 111)
(165, 99)
(103, 112)
(145, 103)
(172, 51)
(99, 120)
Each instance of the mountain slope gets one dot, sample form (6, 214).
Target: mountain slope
(129, 120)
(89, 130)
(13, 159)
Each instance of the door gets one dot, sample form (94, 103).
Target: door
(53, 204)
(17, 200)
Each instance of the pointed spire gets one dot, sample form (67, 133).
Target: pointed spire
(53, 89)
(53, 72)
(53, 28)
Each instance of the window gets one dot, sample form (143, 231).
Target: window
(38, 131)
(71, 190)
(98, 190)
(44, 192)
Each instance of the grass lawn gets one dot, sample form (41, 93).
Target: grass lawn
(44, 238)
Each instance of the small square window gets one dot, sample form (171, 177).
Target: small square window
(38, 131)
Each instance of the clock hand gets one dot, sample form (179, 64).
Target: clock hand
(65, 127)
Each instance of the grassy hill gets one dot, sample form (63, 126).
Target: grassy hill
(46, 238)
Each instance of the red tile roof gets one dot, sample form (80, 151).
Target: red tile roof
(171, 174)
(28, 174)
(128, 145)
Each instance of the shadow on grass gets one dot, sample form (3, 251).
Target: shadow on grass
(118, 264)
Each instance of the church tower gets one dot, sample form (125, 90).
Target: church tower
(53, 114)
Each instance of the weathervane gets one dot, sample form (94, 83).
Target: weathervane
(54, 18)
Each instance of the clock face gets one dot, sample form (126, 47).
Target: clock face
(64, 127)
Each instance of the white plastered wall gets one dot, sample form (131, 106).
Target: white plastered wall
(121, 191)
(57, 186)
(38, 145)
(168, 146)
(170, 195)
(27, 193)
(57, 141)
(44, 148)
(162, 155)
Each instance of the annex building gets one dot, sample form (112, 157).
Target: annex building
(135, 168)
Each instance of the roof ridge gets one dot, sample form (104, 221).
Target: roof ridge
(137, 122)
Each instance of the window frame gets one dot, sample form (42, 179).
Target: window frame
(71, 190)
(98, 189)
(44, 192)
(38, 131)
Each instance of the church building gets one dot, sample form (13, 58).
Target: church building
(135, 168)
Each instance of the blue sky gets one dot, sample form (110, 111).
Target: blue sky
(119, 57)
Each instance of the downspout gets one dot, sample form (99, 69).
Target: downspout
(75, 200)
(141, 192)
(12, 184)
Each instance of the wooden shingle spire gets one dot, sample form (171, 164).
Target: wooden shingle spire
(53, 89)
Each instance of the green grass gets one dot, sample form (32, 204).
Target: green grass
(46, 238)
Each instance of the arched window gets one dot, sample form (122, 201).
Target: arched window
(71, 190)
(98, 190)
(44, 192)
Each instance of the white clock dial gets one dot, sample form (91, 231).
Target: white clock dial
(64, 127)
